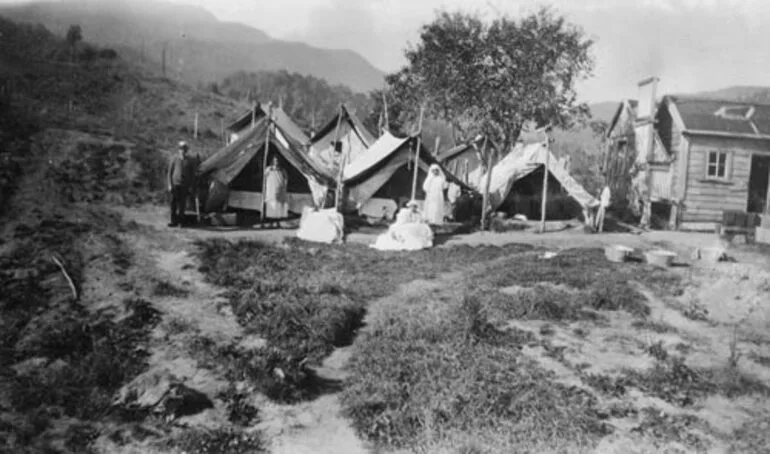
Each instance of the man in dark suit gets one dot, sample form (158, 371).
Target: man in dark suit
(181, 180)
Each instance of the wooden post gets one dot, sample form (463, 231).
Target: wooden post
(340, 171)
(485, 195)
(222, 130)
(385, 110)
(254, 114)
(417, 155)
(264, 158)
(163, 60)
(195, 133)
(545, 183)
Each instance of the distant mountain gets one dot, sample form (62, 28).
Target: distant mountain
(741, 93)
(603, 110)
(198, 46)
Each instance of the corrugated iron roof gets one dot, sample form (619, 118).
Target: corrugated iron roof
(721, 116)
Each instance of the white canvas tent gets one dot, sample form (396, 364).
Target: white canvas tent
(522, 161)
(352, 137)
(386, 170)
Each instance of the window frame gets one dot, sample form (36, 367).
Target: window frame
(709, 165)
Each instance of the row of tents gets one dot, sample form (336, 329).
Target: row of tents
(376, 172)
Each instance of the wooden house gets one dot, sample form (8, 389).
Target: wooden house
(706, 157)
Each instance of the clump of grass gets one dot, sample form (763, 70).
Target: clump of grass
(240, 412)
(217, 441)
(673, 428)
(609, 386)
(652, 325)
(675, 382)
(558, 303)
(751, 438)
(759, 359)
(164, 288)
(735, 355)
(694, 311)
(580, 332)
(273, 372)
(547, 330)
(177, 325)
(658, 351)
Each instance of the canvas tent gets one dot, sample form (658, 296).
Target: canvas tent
(352, 139)
(385, 173)
(239, 168)
(522, 171)
(287, 126)
(465, 161)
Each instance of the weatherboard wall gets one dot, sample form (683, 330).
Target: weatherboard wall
(705, 199)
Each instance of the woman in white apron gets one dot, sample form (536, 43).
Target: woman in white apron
(276, 195)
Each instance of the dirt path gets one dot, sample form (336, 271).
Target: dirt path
(315, 427)
(555, 237)
(194, 308)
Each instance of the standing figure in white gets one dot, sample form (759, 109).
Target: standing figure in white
(434, 186)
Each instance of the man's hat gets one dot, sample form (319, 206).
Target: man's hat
(183, 145)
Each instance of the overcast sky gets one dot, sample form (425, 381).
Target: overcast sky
(692, 45)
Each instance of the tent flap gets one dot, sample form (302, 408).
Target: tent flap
(523, 160)
(371, 170)
(226, 164)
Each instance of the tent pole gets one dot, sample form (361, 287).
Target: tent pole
(485, 196)
(545, 182)
(264, 159)
(338, 189)
(417, 155)
(435, 148)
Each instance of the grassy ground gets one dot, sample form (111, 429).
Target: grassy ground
(439, 371)
(306, 300)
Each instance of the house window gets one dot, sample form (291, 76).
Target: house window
(717, 165)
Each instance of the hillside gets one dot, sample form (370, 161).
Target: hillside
(199, 46)
(741, 93)
(80, 294)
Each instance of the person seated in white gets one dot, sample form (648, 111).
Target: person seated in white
(408, 233)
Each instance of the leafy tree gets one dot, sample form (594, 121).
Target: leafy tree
(74, 36)
(495, 77)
